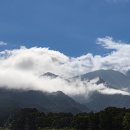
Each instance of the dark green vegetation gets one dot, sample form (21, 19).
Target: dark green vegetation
(31, 119)
(11, 100)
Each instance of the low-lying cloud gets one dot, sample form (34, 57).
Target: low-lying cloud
(21, 68)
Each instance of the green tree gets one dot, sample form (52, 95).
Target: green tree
(81, 123)
(126, 122)
(93, 121)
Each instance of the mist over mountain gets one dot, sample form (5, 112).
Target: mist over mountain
(53, 81)
(99, 91)
(114, 79)
(111, 79)
(98, 101)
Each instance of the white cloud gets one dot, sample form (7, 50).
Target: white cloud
(118, 59)
(21, 68)
(3, 43)
(15, 79)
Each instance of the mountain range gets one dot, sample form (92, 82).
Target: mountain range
(111, 79)
(12, 99)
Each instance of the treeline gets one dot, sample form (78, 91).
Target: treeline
(31, 119)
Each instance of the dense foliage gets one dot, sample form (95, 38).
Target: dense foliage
(31, 119)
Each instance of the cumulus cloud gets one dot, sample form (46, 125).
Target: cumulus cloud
(118, 59)
(3, 43)
(21, 68)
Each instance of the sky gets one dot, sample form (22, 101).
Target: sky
(65, 37)
(69, 26)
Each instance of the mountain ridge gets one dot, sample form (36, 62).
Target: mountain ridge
(48, 102)
(113, 78)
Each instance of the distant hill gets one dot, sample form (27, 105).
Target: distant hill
(11, 100)
(99, 101)
(128, 73)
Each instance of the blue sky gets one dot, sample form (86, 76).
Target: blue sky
(69, 26)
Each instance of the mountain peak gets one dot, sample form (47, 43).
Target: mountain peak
(112, 78)
(49, 74)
